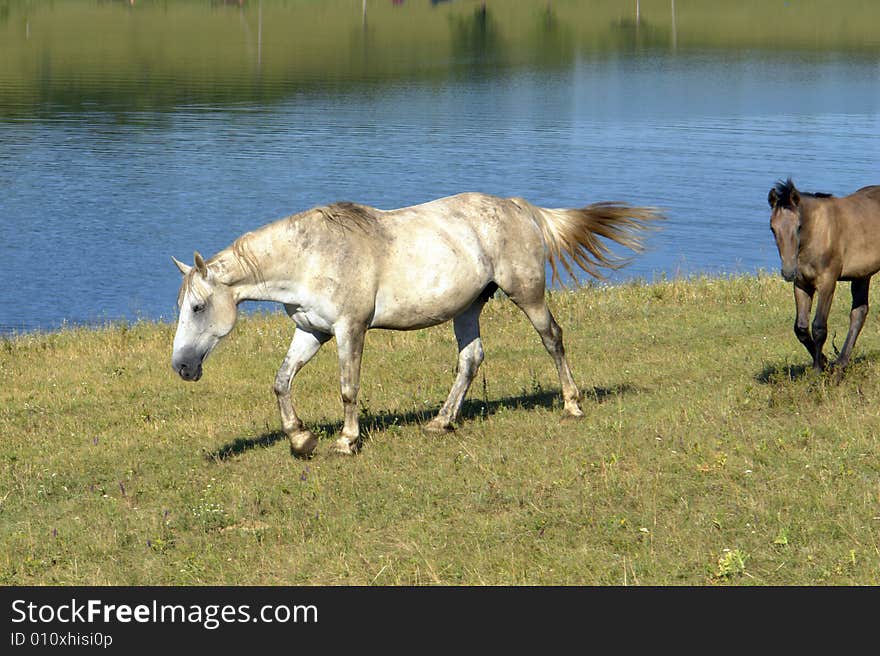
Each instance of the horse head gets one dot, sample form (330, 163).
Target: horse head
(785, 222)
(207, 313)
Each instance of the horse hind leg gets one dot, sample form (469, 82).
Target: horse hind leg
(350, 348)
(539, 314)
(857, 316)
(470, 356)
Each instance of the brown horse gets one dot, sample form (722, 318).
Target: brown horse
(823, 239)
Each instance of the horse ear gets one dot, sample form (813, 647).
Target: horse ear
(773, 197)
(184, 269)
(200, 264)
(795, 197)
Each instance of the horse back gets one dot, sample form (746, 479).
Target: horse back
(862, 206)
(871, 192)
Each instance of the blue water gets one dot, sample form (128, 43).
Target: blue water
(94, 203)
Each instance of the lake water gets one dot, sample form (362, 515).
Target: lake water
(129, 134)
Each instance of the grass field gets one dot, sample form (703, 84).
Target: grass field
(709, 455)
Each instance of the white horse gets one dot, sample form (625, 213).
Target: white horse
(343, 269)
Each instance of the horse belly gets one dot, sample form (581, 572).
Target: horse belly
(429, 286)
(860, 263)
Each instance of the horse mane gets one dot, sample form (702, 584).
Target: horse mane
(345, 215)
(241, 254)
(241, 250)
(349, 215)
(191, 283)
(785, 189)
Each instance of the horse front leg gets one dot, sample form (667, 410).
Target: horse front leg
(350, 347)
(825, 294)
(303, 346)
(803, 301)
(856, 319)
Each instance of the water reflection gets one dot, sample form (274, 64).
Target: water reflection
(551, 38)
(159, 55)
(476, 38)
(629, 35)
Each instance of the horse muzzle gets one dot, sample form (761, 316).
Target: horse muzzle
(188, 369)
(788, 274)
(191, 374)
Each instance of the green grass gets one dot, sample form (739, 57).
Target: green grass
(710, 454)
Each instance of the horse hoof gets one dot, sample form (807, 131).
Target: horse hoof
(343, 447)
(571, 416)
(435, 427)
(303, 443)
(836, 370)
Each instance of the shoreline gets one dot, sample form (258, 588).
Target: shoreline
(65, 325)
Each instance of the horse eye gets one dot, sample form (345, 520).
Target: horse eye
(198, 307)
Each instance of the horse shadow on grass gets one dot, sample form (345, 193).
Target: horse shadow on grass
(471, 409)
(772, 373)
(776, 373)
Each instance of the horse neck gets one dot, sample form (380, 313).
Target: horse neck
(244, 268)
(814, 220)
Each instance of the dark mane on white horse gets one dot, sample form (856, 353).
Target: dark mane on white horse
(347, 215)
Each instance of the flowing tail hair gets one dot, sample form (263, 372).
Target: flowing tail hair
(571, 236)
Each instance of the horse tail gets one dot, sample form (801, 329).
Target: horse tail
(571, 236)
